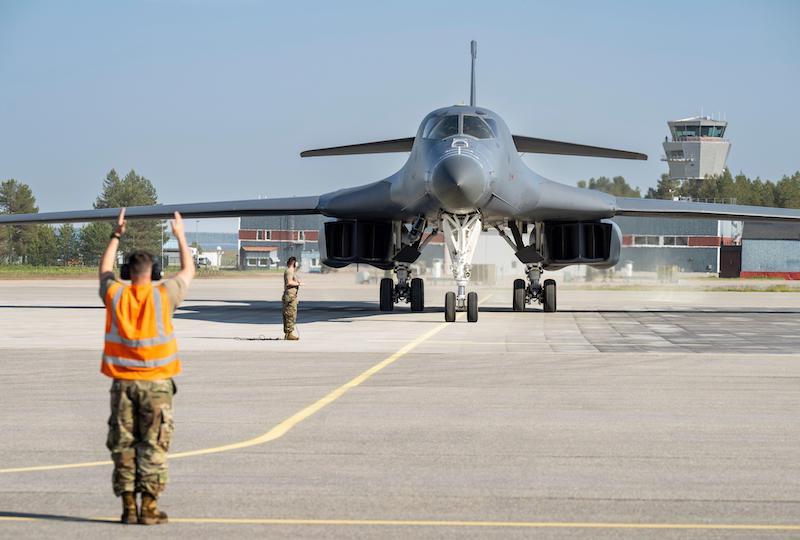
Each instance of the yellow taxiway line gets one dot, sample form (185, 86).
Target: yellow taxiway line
(442, 523)
(279, 430)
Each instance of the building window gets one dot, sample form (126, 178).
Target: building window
(301, 235)
(252, 262)
(712, 131)
(676, 240)
(259, 235)
(269, 235)
(646, 240)
(263, 262)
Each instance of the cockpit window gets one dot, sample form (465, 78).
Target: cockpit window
(476, 127)
(441, 128)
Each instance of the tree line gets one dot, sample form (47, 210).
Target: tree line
(67, 245)
(785, 193)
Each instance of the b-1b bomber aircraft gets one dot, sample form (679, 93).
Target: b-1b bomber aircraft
(464, 175)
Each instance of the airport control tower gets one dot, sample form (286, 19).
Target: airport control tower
(697, 148)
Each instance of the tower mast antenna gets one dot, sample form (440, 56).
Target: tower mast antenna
(474, 52)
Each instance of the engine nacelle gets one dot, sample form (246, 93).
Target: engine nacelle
(346, 242)
(593, 243)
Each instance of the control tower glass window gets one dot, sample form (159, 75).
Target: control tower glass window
(476, 127)
(712, 131)
(441, 128)
(687, 131)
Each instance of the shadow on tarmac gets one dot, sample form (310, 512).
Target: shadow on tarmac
(54, 517)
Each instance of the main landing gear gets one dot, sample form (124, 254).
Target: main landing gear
(409, 290)
(461, 236)
(525, 293)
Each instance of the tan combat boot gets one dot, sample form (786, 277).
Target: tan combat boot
(151, 515)
(291, 336)
(130, 515)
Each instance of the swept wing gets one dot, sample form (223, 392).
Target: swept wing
(248, 207)
(688, 209)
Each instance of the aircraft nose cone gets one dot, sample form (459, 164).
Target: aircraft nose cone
(458, 181)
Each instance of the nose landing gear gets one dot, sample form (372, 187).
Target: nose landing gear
(461, 237)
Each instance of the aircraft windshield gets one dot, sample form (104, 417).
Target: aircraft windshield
(441, 128)
(476, 127)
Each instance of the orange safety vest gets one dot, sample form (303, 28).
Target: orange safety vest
(140, 342)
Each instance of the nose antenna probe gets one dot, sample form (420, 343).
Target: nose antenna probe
(473, 45)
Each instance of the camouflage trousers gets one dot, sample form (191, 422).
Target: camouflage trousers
(289, 310)
(139, 432)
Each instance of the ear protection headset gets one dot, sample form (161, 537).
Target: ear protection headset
(155, 273)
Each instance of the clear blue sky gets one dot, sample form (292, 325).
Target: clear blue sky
(214, 100)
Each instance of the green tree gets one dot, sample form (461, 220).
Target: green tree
(667, 188)
(16, 198)
(133, 190)
(787, 191)
(43, 247)
(92, 241)
(616, 186)
(68, 244)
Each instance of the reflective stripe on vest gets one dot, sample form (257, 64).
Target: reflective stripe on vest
(131, 350)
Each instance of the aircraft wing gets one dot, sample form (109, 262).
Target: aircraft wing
(376, 147)
(533, 145)
(688, 209)
(249, 207)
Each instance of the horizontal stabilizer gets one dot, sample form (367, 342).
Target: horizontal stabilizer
(533, 145)
(377, 147)
(249, 207)
(697, 210)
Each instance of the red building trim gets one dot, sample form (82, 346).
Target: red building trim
(704, 241)
(777, 275)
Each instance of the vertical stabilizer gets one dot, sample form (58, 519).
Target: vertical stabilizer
(474, 51)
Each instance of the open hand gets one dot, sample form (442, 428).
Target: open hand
(120, 228)
(177, 225)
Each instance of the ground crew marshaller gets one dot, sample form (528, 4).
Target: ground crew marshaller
(291, 285)
(141, 355)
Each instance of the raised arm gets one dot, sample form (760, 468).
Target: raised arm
(107, 260)
(187, 262)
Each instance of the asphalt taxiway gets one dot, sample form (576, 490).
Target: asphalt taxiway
(630, 414)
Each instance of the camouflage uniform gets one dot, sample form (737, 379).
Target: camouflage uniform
(289, 303)
(139, 432)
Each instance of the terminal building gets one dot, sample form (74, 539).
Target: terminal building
(268, 241)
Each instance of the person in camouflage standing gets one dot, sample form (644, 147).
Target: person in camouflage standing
(141, 356)
(291, 285)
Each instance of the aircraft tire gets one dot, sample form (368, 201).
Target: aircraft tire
(518, 300)
(387, 294)
(450, 307)
(417, 294)
(549, 296)
(472, 307)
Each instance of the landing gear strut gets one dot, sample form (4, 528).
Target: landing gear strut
(525, 293)
(410, 290)
(461, 234)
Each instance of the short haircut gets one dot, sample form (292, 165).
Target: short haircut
(290, 261)
(140, 263)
